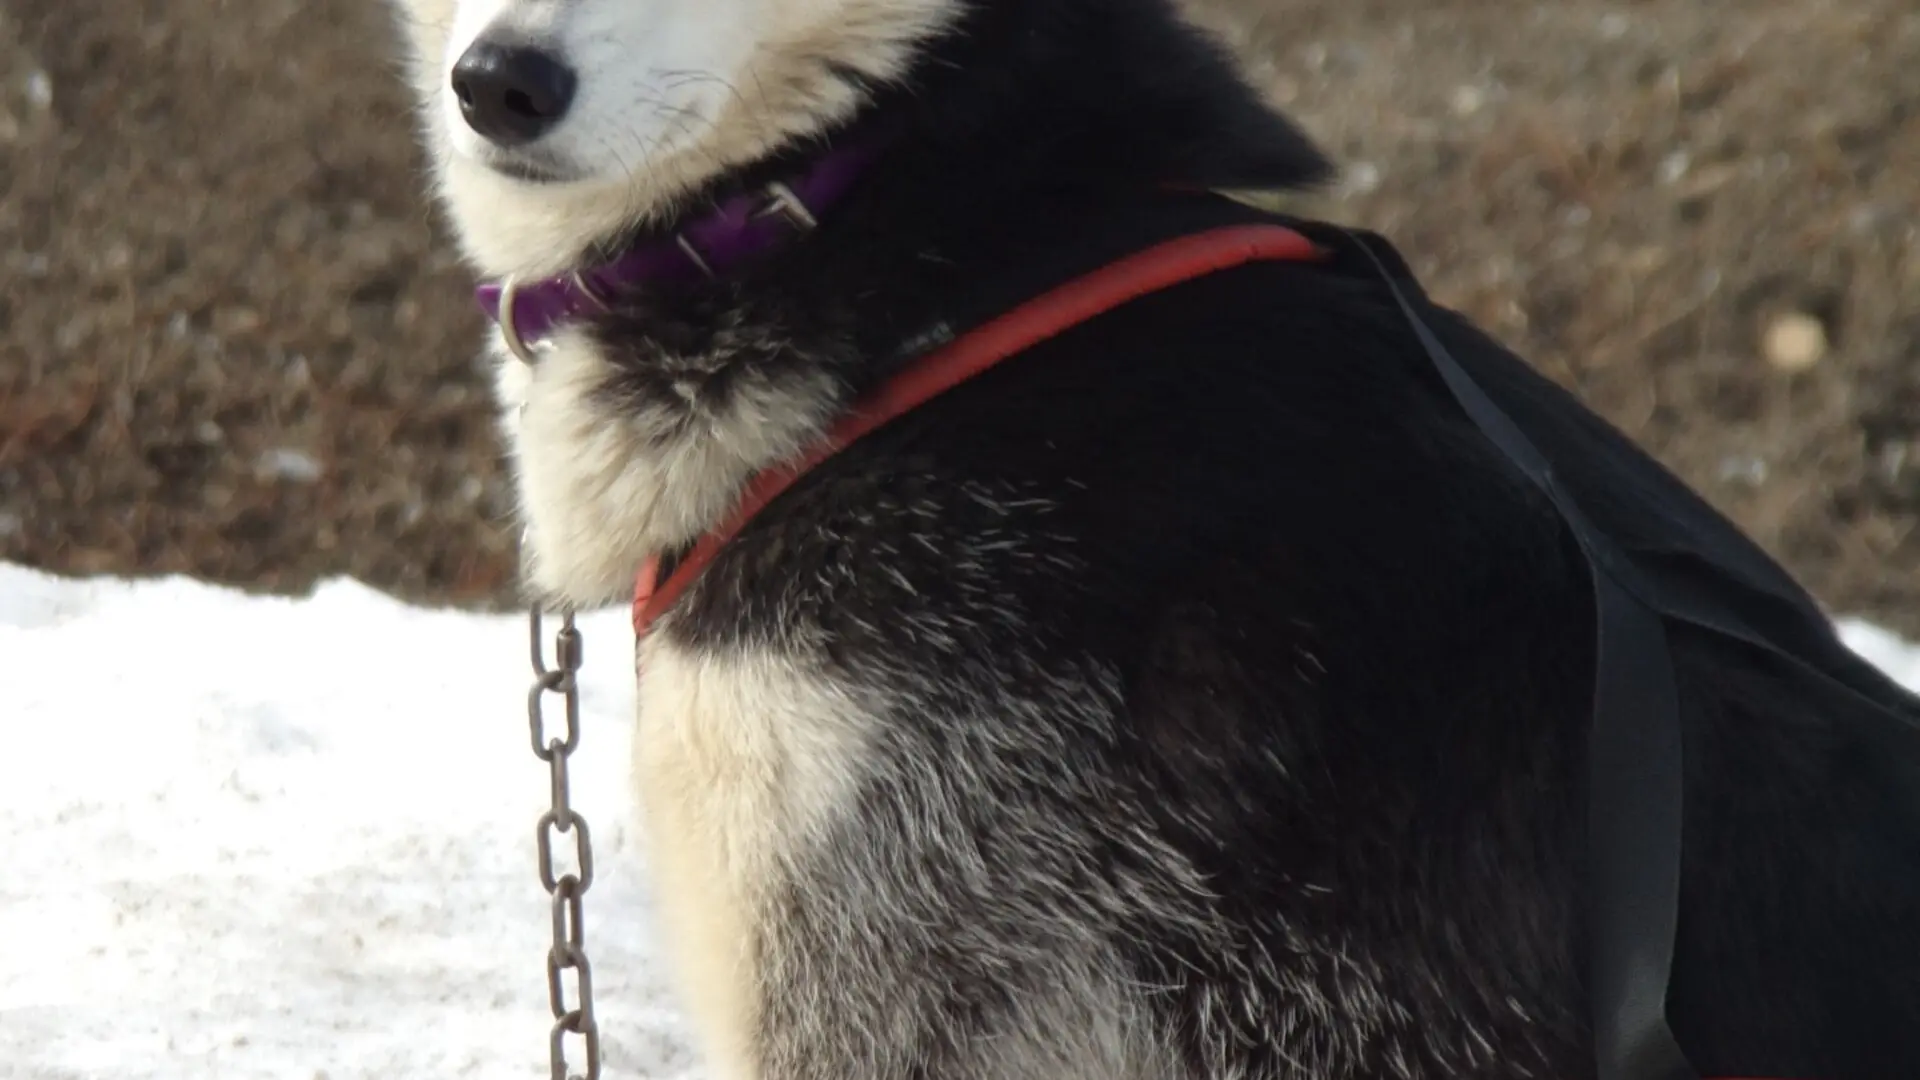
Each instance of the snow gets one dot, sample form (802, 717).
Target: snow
(258, 837)
(293, 838)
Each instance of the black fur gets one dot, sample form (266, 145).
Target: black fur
(1329, 649)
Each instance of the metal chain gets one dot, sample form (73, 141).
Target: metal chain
(569, 949)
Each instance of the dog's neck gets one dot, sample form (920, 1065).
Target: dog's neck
(708, 245)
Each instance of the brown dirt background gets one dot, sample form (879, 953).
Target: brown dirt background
(235, 342)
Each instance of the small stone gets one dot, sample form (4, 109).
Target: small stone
(286, 463)
(1645, 259)
(1362, 178)
(73, 333)
(237, 321)
(39, 90)
(1674, 166)
(1794, 342)
(1744, 469)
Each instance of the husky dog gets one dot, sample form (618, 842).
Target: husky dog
(1192, 696)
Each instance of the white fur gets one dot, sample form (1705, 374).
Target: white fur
(740, 758)
(602, 485)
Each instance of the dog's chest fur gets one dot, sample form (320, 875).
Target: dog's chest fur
(634, 433)
(742, 756)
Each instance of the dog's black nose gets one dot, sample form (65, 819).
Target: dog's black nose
(511, 94)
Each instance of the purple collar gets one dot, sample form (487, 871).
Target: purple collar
(740, 227)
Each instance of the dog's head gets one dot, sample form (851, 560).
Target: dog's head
(553, 124)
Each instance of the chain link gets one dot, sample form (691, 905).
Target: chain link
(565, 887)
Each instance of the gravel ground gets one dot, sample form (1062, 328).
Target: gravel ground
(235, 343)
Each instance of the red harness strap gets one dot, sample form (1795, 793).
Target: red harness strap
(1066, 306)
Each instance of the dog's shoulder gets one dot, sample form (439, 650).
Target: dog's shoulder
(1275, 412)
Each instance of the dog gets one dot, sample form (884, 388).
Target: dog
(1193, 696)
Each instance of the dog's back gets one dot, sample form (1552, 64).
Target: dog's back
(1798, 950)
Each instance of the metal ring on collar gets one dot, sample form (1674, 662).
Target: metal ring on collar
(509, 294)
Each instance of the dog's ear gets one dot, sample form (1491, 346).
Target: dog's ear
(1107, 91)
(1242, 145)
(1176, 87)
(1221, 133)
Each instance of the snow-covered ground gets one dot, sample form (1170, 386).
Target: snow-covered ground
(245, 837)
(249, 837)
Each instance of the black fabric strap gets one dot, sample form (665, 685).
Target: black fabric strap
(1687, 573)
(1634, 797)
